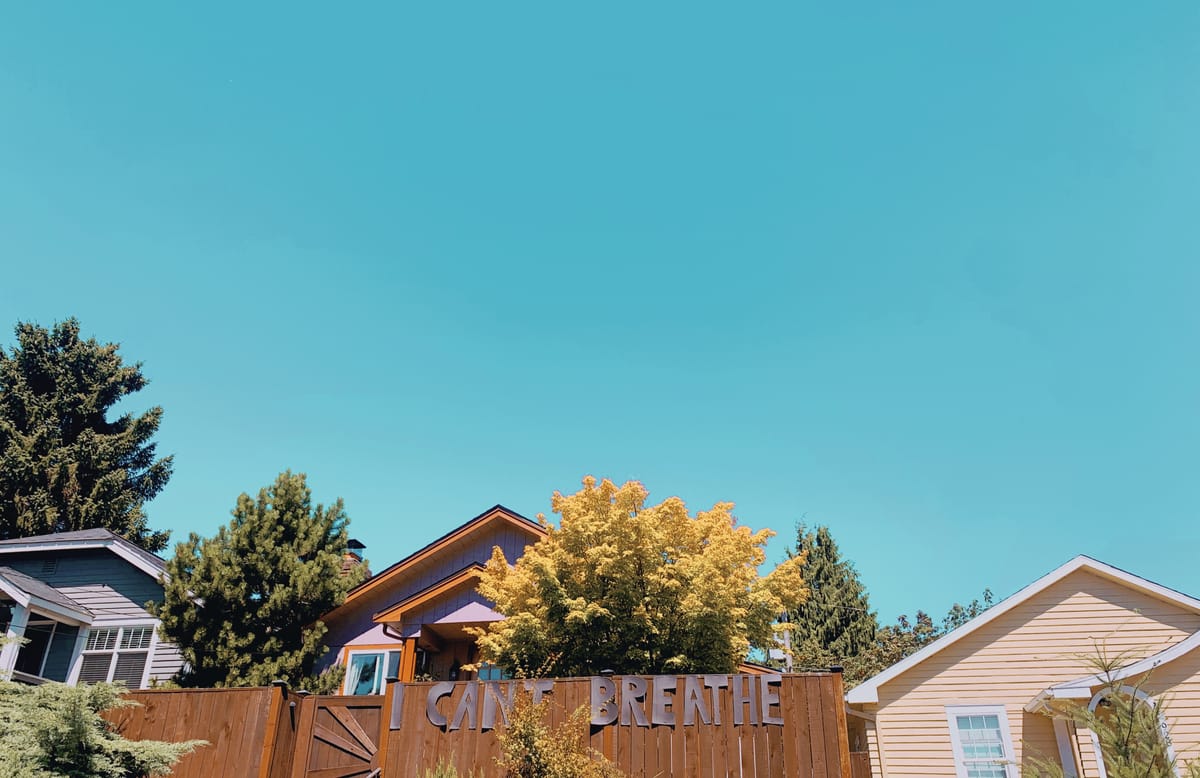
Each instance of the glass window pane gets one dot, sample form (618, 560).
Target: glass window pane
(95, 668)
(362, 673)
(393, 666)
(101, 640)
(135, 637)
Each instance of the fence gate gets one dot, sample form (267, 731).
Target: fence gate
(335, 737)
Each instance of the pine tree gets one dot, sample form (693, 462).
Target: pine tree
(63, 464)
(836, 622)
(244, 606)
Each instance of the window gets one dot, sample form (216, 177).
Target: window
(981, 740)
(491, 672)
(32, 655)
(366, 671)
(116, 654)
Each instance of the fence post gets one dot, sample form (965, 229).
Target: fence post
(279, 693)
(385, 720)
(843, 730)
(305, 713)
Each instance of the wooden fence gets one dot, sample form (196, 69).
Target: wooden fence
(860, 764)
(274, 733)
(810, 740)
(235, 722)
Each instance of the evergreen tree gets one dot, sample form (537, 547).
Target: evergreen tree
(836, 622)
(63, 464)
(244, 606)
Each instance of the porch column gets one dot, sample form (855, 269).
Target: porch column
(16, 630)
(408, 661)
(77, 656)
(1067, 755)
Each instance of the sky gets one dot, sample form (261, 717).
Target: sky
(925, 273)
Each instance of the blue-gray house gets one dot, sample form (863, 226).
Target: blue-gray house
(78, 599)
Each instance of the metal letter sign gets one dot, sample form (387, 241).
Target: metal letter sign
(672, 701)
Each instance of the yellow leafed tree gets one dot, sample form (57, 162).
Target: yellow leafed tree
(632, 588)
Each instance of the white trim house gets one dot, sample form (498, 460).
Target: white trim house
(78, 602)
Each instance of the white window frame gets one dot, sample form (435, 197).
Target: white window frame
(382, 671)
(38, 619)
(960, 762)
(85, 634)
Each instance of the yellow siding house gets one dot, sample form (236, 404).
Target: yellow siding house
(974, 704)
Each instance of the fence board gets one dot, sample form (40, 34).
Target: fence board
(860, 764)
(233, 721)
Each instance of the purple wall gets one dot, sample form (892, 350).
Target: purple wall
(351, 624)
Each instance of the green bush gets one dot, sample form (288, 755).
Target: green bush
(56, 731)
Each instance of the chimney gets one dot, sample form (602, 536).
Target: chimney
(354, 557)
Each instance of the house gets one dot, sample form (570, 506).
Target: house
(409, 620)
(986, 699)
(78, 599)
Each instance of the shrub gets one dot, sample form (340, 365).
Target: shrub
(533, 749)
(56, 731)
(1125, 724)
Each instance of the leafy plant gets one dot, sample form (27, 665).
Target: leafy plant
(1126, 723)
(445, 769)
(533, 749)
(635, 588)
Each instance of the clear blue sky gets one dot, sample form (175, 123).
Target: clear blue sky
(927, 273)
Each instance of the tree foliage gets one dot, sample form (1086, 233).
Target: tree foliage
(960, 614)
(836, 623)
(895, 642)
(1127, 725)
(56, 731)
(244, 606)
(63, 464)
(634, 588)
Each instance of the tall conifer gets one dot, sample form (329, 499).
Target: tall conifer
(836, 622)
(244, 607)
(63, 464)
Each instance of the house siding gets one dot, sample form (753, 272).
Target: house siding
(1010, 660)
(1177, 686)
(166, 662)
(352, 624)
(108, 586)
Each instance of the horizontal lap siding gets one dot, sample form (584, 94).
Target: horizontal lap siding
(167, 661)
(1177, 686)
(1009, 661)
(108, 586)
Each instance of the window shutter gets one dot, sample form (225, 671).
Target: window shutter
(94, 668)
(129, 668)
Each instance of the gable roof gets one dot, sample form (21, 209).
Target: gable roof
(150, 564)
(497, 513)
(448, 584)
(27, 591)
(868, 691)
